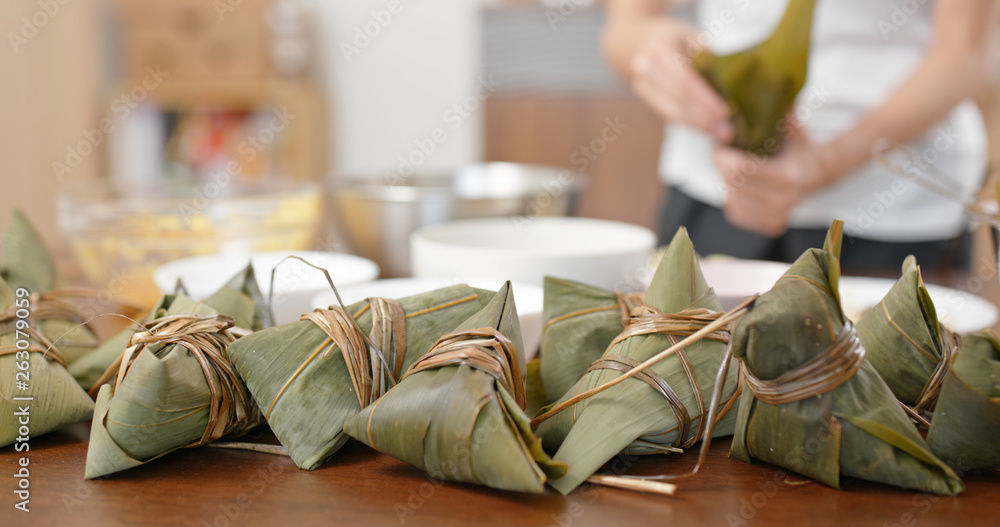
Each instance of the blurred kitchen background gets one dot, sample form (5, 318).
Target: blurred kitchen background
(314, 90)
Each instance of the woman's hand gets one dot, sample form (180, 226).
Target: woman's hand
(653, 53)
(761, 192)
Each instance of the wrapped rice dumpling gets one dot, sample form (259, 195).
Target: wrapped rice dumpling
(580, 322)
(905, 343)
(761, 83)
(91, 366)
(458, 412)
(661, 409)
(310, 375)
(56, 309)
(813, 404)
(965, 430)
(174, 386)
(33, 376)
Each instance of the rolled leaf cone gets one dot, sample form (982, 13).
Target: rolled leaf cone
(580, 322)
(760, 83)
(461, 419)
(88, 368)
(853, 425)
(26, 263)
(302, 382)
(169, 397)
(905, 342)
(965, 429)
(52, 399)
(633, 416)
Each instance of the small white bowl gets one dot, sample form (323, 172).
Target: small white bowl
(295, 283)
(527, 298)
(603, 253)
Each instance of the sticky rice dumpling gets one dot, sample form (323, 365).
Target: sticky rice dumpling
(458, 411)
(813, 403)
(661, 409)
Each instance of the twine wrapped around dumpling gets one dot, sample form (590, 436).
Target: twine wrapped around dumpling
(965, 429)
(174, 387)
(907, 345)
(309, 376)
(56, 309)
(458, 414)
(809, 386)
(580, 322)
(48, 392)
(662, 408)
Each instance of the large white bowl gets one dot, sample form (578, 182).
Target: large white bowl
(603, 253)
(295, 283)
(527, 298)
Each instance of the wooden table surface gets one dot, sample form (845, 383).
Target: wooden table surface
(216, 487)
(209, 486)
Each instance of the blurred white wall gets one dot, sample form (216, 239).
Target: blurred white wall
(394, 84)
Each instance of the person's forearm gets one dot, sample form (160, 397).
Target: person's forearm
(624, 30)
(954, 69)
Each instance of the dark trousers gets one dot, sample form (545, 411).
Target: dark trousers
(712, 234)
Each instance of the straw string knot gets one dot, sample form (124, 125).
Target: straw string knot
(364, 363)
(644, 320)
(484, 349)
(232, 409)
(824, 372)
(38, 342)
(389, 330)
(950, 344)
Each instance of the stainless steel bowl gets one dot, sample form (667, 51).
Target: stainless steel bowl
(378, 214)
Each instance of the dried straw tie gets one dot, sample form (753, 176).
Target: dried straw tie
(647, 320)
(824, 372)
(56, 304)
(37, 340)
(232, 409)
(950, 344)
(484, 349)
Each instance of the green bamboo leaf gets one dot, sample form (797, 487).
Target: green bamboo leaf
(632, 416)
(459, 423)
(760, 84)
(856, 429)
(304, 388)
(966, 424)
(56, 399)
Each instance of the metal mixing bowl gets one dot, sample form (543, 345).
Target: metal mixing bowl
(378, 215)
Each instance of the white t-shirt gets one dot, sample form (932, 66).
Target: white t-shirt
(861, 51)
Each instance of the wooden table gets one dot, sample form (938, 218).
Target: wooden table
(208, 486)
(215, 487)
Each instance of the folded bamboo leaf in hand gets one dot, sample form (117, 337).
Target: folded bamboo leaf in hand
(662, 408)
(965, 429)
(310, 375)
(458, 411)
(760, 84)
(814, 404)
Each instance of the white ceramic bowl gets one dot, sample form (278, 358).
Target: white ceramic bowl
(295, 283)
(527, 298)
(599, 252)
